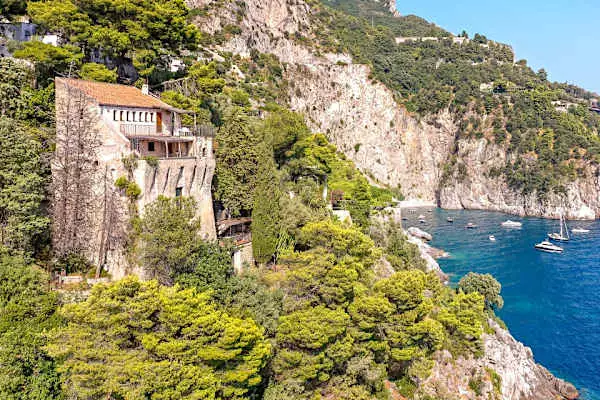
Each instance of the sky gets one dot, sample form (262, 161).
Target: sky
(561, 36)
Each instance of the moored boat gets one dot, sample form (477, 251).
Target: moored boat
(512, 224)
(471, 225)
(580, 230)
(548, 247)
(563, 236)
(492, 238)
(450, 219)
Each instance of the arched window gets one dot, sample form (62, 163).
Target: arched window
(151, 117)
(121, 119)
(114, 115)
(133, 116)
(146, 116)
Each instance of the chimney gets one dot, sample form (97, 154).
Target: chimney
(146, 89)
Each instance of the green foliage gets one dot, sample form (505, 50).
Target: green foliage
(130, 188)
(378, 14)
(98, 72)
(141, 340)
(463, 318)
(239, 158)
(342, 331)
(486, 285)
(152, 161)
(476, 385)
(27, 311)
(207, 266)
(266, 213)
(203, 114)
(249, 296)
(73, 263)
(9, 8)
(402, 254)
(16, 77)
(339, 240)
(122, 182)
(207, 78)
(282, 129)
(50, 60)
(23, 179)
(168, 236)
(143, 30)
(314, 157)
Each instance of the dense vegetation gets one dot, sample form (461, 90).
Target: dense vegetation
(491, 96)
(313, 320)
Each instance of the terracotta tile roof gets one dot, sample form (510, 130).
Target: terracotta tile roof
(110, 94)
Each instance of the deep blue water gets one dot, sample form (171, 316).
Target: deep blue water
(552, 301)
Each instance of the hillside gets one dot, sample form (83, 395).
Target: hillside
(319, 111)
(451, 121)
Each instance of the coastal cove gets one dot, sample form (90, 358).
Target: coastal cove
(551, 300)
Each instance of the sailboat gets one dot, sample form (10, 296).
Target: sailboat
(563, 236)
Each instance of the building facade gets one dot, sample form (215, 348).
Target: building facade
(128, 133)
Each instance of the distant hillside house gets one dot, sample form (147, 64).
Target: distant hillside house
(20, 30)
(124, 123)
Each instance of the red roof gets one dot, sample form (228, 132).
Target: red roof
(111, 94)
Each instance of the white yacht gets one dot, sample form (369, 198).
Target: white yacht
(512, 224)
(548, 247)
(471, 225)
(580, 230)
(492, 238)
(563, 236)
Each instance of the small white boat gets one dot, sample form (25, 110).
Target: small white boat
(580, 230)
(471, 225)
(492, 238)
(450, 219)
(563, 236)
(512, 224)
(548, 247)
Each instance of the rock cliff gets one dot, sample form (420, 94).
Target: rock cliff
(507, 371)
(363, 119)
(480, 189)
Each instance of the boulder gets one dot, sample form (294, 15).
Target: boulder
(419, 234)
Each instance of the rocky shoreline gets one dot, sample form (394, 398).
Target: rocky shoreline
(521, 378)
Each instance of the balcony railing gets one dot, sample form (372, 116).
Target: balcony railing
(139, 130)
(150, 130)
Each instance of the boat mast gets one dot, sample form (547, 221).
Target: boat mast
(561, 226)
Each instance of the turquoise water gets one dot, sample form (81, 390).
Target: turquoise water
(552, 301)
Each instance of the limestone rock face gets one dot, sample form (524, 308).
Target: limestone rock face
(520, 377)
(361, 117)
(484, 191)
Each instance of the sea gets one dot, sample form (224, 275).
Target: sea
(551, 301)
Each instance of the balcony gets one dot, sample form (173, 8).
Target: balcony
(141, 130)
(130, 130)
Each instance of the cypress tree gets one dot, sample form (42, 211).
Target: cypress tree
(238, 161)
(266, 213)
